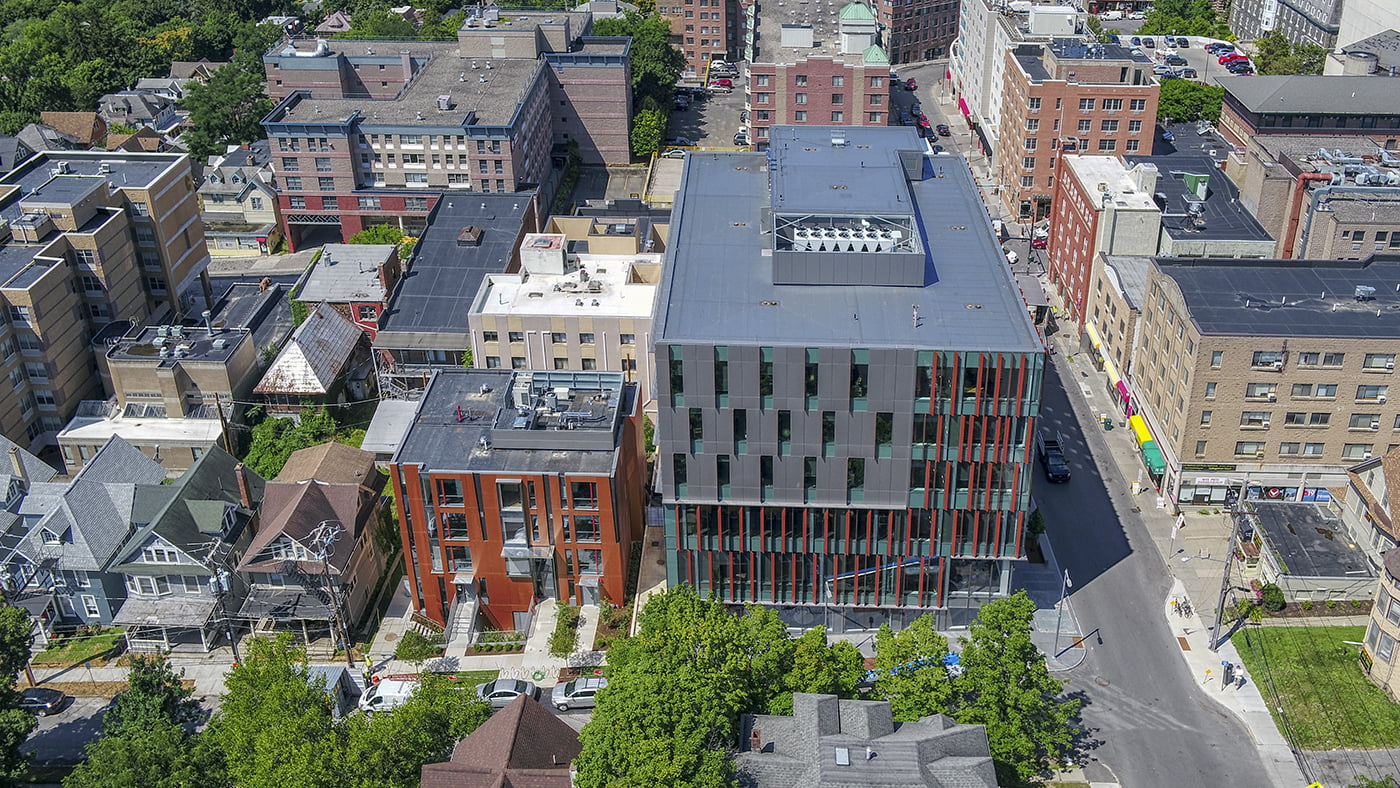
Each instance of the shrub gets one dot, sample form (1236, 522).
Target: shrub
(561, 642)
(1331, 604)
(1271, 597)
(1357, 603)
(1307, 604)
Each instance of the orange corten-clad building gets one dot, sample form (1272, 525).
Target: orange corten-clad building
(515, 486)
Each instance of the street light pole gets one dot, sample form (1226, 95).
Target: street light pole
(1065, 585)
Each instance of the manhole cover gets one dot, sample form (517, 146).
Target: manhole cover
(391, 636)
(1101, 681)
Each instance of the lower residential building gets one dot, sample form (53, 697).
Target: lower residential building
(1378, 656)
(516, 486)
(523, 745)
(831, 743)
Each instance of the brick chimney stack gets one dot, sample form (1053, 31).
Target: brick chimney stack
(245, 490)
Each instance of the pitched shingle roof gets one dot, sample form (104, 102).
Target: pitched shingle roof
(312, 361)
(521, 746)
(34, 468)
(86, 127)
(331, 462)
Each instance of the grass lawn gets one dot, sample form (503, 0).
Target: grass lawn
(471, 678)
(78, 649)
(1327, 701)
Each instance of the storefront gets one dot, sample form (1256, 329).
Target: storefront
(1204, 484)
(1117, 387)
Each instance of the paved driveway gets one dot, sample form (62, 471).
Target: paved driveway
(60, 738)
(710, 121)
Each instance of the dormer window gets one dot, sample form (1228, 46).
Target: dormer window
(236, 178)
(230, 519)
(50, 538)
(214, 178)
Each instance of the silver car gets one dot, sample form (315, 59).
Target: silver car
(501, 692)
(577, 694)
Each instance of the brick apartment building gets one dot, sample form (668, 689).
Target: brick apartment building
(374, 132)
(1068, 97)
(1310, 105)
(824, 448)
(515, 486)
(806, 70)
(90, 238)
(917, 30)
(704, 30)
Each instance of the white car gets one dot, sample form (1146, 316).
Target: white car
(674, 153)
(501, 692)
(577, 694)
(1137, 15)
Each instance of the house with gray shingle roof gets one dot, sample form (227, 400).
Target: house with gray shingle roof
(67, 532)
(184, 537)
(832, 743)
(136, 109)
(238, 203)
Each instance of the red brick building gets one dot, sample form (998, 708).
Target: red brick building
(516, 486)
(1068, 97)
(373, 132)
(704, 30)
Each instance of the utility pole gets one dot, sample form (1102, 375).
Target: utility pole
(219, 584)
(323, 540)
(223, 424)
(1225, 579)
(1065, 585)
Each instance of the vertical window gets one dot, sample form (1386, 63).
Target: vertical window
(741, 431)
(860, 375)
(722, 376)
(809, 478)
(813, 370)
(784, 432)
(677, 375)
(765, 474)
(697, 431)
(765, 376)
(828, 433)
(678, 474)
(722, 475)
(884, 434)
(855, 479)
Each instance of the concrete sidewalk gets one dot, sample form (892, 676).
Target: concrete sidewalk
(1056, 629)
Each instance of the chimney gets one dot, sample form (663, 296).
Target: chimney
(755, 740)
(17, 468)
(245, 490)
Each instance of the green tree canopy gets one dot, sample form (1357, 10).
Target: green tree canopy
(1275, 54)
(909, 670)
(16, 638)
(1007, 687)
(158, 756)
(154, 697)
(1185, 18)
(819, 668)
(226, 111)
(274, 440)
(648, 129)
(1185, 100)
(676, 690)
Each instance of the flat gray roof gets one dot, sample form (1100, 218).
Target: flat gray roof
(346, 272)
(1311, 542)
(1131, 273)
(445, 73)
(461, 406)
(429, 305)
(1226, 218)
(1304, 298)
(717, 285)
(1314, 94)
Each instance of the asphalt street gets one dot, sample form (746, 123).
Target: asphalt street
(1147, 721)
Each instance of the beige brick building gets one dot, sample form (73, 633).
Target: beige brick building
(568, 309)
(1116, 295)
(1278, 375)
(89, 239)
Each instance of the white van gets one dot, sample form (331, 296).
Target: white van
(1110, 16)
(387, 695)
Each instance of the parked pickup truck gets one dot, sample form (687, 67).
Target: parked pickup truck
(1052, 456)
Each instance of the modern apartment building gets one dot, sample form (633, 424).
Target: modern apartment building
(1321, 197)
(1276, 373)
(704, 30)
(368, 133)
(427, 323)
(1068, 97)
(987, 30)
(851, 383)
(581, 299)
(89, 238)
(808, 70)
(515, 486)
(1301, 105)
(1314, 22)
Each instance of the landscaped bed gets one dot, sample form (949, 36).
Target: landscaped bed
(97, 648)
(1316, 677)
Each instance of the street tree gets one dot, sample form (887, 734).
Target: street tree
(417, 648)
(648, 128)
(155, 696)
(909, 669)
(819, 668)
(16, 638)
(161, 755)
(1006, 686)
(275, 725)
(676, 690)
(389, 750)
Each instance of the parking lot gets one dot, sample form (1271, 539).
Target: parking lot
(1208, 68)
(711, 120)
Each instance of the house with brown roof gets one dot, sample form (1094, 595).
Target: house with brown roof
(87, 127)
(523, 745)
(198, 70)
(145, 140)
(1370, 504)
(290, 584)
(338, 22)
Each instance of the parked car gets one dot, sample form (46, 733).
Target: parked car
(1189, 73)
(1176, 60)
(1160, 69)
(1169, 75)
(44, 701)
(1113, 38)
(501, 692)
(577, 694)
(1183, 42)
(1149, 42)
(386, 695)
(923, 122)
(743, 116)
(1137, 15)
(937, 148)
(910, 84)
(1240, 68)
(1230, 58)
(682, 141)
(916, 108)
(673, 153)
(1219, 48)
(1167, 135)
(683, 101)
(722, 83)
(943, 130)
(905, 119)
(742, 138)
(1135, 41)
(1040, 242)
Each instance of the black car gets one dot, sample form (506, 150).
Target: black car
(1149, 42)
(1169, 75)
(1176, 60)
(937, 148)
(43, 701)
(943, 130)
(1240, 67)
(1114, 39)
